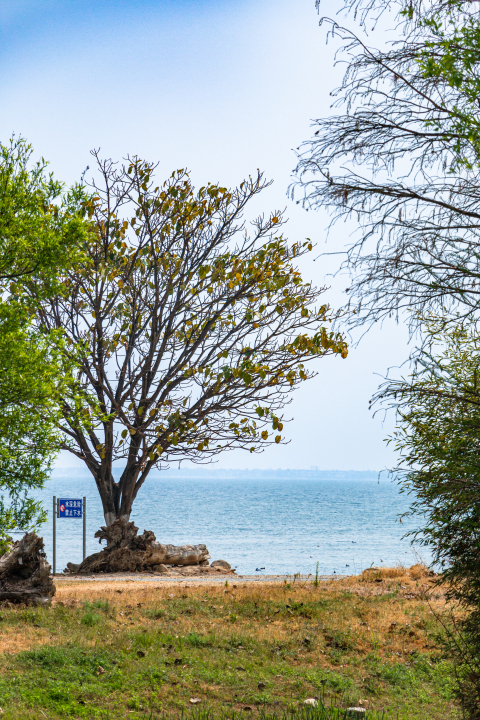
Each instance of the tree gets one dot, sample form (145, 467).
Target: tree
(402, 161)
(191, 333)
(39, 236)
(438, 439)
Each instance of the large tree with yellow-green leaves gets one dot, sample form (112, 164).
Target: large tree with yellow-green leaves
(190, 329)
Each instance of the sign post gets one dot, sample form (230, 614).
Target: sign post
(68, 508)
(54, 534)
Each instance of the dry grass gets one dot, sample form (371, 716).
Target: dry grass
(15, 640)
(395, 620)
(366, 640)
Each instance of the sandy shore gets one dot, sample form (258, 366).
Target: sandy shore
(112, 579)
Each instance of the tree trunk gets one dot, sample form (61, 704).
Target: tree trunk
(117, 497)
(126, 551)
(25, 574)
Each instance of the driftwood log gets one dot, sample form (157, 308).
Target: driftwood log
(25, 573)
(177, 555)
(126, 551)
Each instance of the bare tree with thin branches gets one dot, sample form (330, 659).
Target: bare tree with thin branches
(402, 161)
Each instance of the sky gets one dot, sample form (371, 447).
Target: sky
(222, 88)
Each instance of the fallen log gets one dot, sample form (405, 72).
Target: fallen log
(177, 554)
(126, 551)
(25, 573)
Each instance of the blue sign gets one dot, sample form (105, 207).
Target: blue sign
(69, 508)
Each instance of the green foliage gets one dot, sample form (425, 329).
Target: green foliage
(92, 610)
(451, 56)
(28, 442)
(438, 440)
(90, 618)
(402, 160)
(40, 235)
(40, 227)
(438, 437)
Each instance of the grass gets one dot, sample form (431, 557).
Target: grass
(117, 650)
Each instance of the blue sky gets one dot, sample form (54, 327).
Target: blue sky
(222, 88)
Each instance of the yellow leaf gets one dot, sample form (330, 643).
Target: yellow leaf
(264, 434)
(275, 220)
(278, 438)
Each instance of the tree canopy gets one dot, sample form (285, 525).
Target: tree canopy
(190, 330)
(401, 160)
(40, 235)
(438, 441)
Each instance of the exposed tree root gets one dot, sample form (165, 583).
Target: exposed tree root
(126, 551)
(25, 573)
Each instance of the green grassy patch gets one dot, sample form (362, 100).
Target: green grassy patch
(116, 657)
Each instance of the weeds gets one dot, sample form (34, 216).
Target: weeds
(116, 651)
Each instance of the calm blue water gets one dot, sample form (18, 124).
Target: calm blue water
(283, 525)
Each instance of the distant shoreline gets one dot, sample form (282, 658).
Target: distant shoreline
(212, 473)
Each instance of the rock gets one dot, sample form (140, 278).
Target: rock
(221, 564)
(356, 712)
(73, 567)
(160, 568)
(189, 570)
(195, 701)
(311, 702)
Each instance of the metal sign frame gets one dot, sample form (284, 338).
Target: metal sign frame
(56, 514)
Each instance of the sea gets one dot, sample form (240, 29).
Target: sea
(261, 522)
